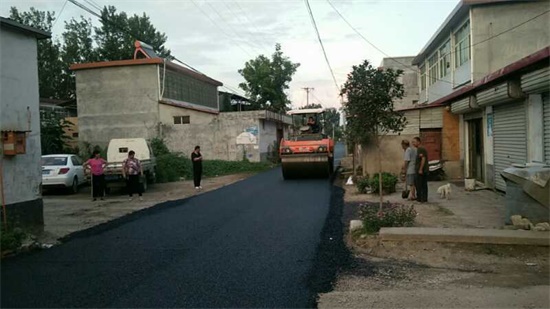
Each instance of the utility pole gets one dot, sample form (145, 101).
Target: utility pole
(308, 89)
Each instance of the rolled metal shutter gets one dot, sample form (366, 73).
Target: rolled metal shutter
(537, 81)
(509, 138)
(431, 118)
(546, 123)
(504, 93)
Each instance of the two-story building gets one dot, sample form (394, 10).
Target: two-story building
(488, 63)
(151, 97)
(20, 152)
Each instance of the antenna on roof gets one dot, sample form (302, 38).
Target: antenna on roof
(145, 50)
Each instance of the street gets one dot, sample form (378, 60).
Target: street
(250, 244)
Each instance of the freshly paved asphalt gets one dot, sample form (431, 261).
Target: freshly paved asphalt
(250, 244)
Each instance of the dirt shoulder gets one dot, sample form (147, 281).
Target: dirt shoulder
(437, 275)
(66, 214)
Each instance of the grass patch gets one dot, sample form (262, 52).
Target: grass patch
(11, 238)
(173, 166)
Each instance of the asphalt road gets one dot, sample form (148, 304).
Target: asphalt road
(250, 244)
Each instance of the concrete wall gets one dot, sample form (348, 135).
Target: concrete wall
(19, 100)
(184, 137)
(391, 154)
(489, 20)
(268, 136)
(217, 134)
(117, 102)
(409, 79)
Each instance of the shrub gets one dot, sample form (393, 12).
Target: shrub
(391, 215)
(389, 181)
(12, 238)
(362, 183)
(171, 166)
(158, 145)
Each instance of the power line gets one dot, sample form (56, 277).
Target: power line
(240, 19)
(321, 42)
(93, 4)
(447, 54)
(230, 26)
(308, 89)
(60, 12)
(245, 14)
(216, 24)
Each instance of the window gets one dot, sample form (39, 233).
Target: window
(462, 45)
(432, 62)
(182, 119)
(445, 59)
(422, 77)
(75, 161)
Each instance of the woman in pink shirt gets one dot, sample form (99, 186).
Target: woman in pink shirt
(97, 165)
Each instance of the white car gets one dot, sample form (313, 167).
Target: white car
(62, 171)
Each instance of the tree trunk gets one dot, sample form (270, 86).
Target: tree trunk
(353, 160)
(380, 192)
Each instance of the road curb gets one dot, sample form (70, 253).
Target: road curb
(473, 236)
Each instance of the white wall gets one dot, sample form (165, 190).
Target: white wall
(268, 135)
(22, 174)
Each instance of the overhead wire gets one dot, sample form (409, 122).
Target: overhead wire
(450, 53)
(59, 14)
(220, 28)
(321, 43)
(105, 20)
(239, 18)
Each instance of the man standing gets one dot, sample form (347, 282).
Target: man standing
(422, 171)
(196, 158)
(409, 168)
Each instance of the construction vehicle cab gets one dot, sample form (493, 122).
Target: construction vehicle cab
(307, 151)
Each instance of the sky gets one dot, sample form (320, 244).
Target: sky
(217, 37)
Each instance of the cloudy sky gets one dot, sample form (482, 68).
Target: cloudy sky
(218, 36)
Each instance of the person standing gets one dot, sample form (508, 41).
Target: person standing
(422, 171)
(132, 171)
(196, 158)
(409, 164)
(97, 165)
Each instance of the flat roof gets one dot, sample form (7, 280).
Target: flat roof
(146, 61)
(7, 23)
(459, 12)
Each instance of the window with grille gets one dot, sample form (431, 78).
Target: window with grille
(182, 119)
(432, 62)
(445, 59)
(422, 77)
(462, 44)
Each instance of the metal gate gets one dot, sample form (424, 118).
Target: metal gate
(546, 123)
(509, 138)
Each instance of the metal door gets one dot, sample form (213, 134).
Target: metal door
(509, 138)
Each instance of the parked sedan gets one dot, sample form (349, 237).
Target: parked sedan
(62, 171)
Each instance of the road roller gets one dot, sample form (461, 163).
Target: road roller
(307, 152)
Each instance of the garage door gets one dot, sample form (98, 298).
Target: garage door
(509, 138)
(546, 122)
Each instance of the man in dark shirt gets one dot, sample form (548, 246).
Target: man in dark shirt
(314, 127)
(422, 170)
(196, 158)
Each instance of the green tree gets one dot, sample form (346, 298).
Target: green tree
(267, 79)
(117, 33)
(52, 132)
(78, 48)
(50, 65)
(370, 94)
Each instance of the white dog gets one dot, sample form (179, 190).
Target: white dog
(444, 191)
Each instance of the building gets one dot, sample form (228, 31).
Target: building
(64, 109)
(488, 64)
(21, 170)
(153, 97)
(437, 128)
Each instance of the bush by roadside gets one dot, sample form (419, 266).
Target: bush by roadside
(391, 215)
(11, 238)
(173, 166)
